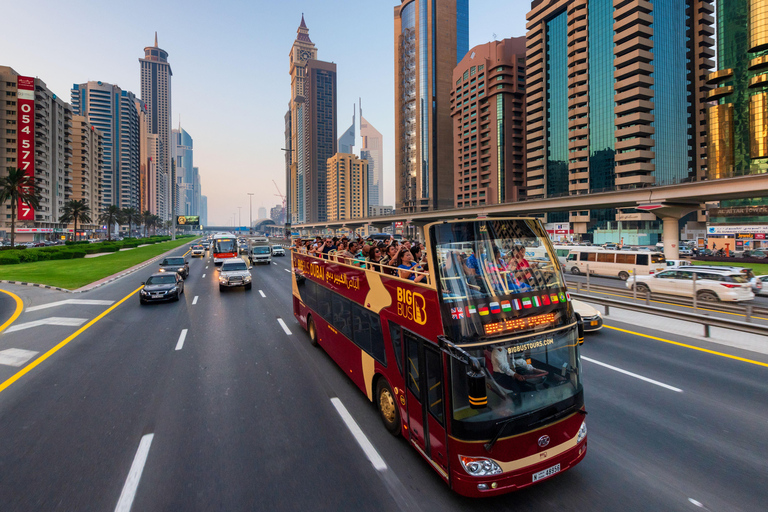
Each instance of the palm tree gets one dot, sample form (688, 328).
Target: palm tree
(131, 216)
(168, 225)
(110, 216)
(18, 187)
(157, 222)
(146, 219)
(75, 210)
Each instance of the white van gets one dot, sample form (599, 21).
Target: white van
(621, 264)
(562, 251)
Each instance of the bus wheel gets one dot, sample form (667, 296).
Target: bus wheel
(623, 276)
(575, 271)
(387, 406)
(312, 330)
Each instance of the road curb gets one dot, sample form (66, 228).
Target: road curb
(107, 280)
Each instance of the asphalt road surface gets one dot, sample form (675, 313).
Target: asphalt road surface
(210, 404)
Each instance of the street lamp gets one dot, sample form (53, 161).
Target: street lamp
(250, 219)
(239, 217)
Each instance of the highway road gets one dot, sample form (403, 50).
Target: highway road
(219, 402)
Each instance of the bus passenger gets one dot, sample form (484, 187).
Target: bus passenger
(408, 267)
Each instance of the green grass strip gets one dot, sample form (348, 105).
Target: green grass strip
(73, 274)
(759, 269)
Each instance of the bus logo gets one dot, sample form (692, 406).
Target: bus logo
(543, 441)
(411, 306)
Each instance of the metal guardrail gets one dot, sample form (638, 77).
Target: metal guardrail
(742, 308)
(704, 320)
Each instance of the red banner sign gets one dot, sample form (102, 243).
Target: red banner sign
(25, 103)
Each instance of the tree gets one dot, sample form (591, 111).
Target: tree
(18, 187)
(146, 219)
(75, 210)
(131, 216)
(168, 225)
(157, 222)
(110, 216)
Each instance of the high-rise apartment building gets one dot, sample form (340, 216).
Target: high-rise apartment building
(614, 98)
(302, 51)
(38, 139)
(738, 121)
(372, 150)
(277, 214)
(182, 150)
(156, 93)
(319, 134)
(347, 187)
(87, 158)
(116, 114)
(431, 37)
(203, 210)
(488, 109)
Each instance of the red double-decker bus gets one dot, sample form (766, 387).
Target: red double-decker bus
(478, 367)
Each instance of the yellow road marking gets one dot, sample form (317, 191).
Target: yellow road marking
(19, 307)
(689, 346)
(55, 349)
(678, 305)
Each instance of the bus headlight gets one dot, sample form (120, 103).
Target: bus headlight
(582, 432)
(479, 466)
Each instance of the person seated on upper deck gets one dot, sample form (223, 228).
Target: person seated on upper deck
(407, 267)
(474, 262)
(374, 258)
(496, 271)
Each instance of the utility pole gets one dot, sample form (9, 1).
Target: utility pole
(250, 219)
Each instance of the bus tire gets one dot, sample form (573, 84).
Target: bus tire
(312, 330)
(386, 402)
(575, 271)
(623, 275)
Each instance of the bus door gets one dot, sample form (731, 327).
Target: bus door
(425, 390)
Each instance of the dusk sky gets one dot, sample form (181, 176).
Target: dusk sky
(230, 71)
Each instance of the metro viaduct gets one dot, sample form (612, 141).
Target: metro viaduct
(670, 203)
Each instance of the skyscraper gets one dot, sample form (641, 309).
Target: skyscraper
(431, 37)
(738, 122)
(347, 187)
(614, 99)
(203, 210)
(183, 147)
(312, 129)
(156, 93)
(489, 103)
(373, 151)
(347, 140)
(261, 213)
(116, 114)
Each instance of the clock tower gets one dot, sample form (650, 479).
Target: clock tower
(302, 51)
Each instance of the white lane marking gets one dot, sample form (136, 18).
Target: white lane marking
(286, 270)
(83, 302)
(16, 356)
(262, 293)
(274, 263)
(365, 444)
(203, 275)
(625, 372)
(206, 266)
(54, 320)
(134, 475)
(285, 327)
(182, 337)
(194, 301)
(697, 503)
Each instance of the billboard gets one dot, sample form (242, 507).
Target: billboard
(187, 220)
(25, 121)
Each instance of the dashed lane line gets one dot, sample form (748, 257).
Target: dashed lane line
(203, 275)
(285, 327)
(182, 337)
(362, 440)
(194, 301)
(134, 475)
(262, 293)
(625, 372)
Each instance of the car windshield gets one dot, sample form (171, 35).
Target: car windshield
(548, 372)
(173, 261)
(167, 279)
(239, 265)
(197, 247)
(261, 250)
(277, 246)
(739, 278)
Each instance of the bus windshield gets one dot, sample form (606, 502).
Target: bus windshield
(530, 379)
(225, 245)
(497, 277)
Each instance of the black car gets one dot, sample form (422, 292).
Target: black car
(175, 264)
(161, 287)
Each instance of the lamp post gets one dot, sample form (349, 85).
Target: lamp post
(239, 217)
(250, 218)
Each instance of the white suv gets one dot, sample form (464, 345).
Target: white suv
(711, 284)
(234, 272)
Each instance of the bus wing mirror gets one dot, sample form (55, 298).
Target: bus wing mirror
(478, 395)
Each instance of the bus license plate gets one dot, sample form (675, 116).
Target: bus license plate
(546, 473)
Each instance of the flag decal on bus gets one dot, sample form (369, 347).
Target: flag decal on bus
(457, 313)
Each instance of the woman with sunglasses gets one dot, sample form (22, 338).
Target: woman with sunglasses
(407, 267)
(374, 259)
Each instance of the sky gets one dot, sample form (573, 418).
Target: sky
(230, 85)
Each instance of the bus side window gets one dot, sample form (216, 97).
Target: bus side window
(397, 344)
(308, 293)
(625, 258)
(583, 256)
(342, 316)
(572, 256)
(642, 259)
(367, 333)
(323, 300)
(605, 257)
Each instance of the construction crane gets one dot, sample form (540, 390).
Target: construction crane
(281, 196)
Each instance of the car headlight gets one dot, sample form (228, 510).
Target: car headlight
(479, 466)
(582, 432)
(161, 270)
(222, 279)
(247, 278)
(144, 292)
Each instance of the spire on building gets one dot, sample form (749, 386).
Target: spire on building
(303, 31)
(156, 39)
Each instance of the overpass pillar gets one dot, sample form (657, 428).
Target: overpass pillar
(670, 215)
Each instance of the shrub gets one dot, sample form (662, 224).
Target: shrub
(109, 248)
(92, 249)
(62, 255)
(79, 242)
(45, 255)
(16, 248)
(27, 256)
(9, 259)
(77, 253)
